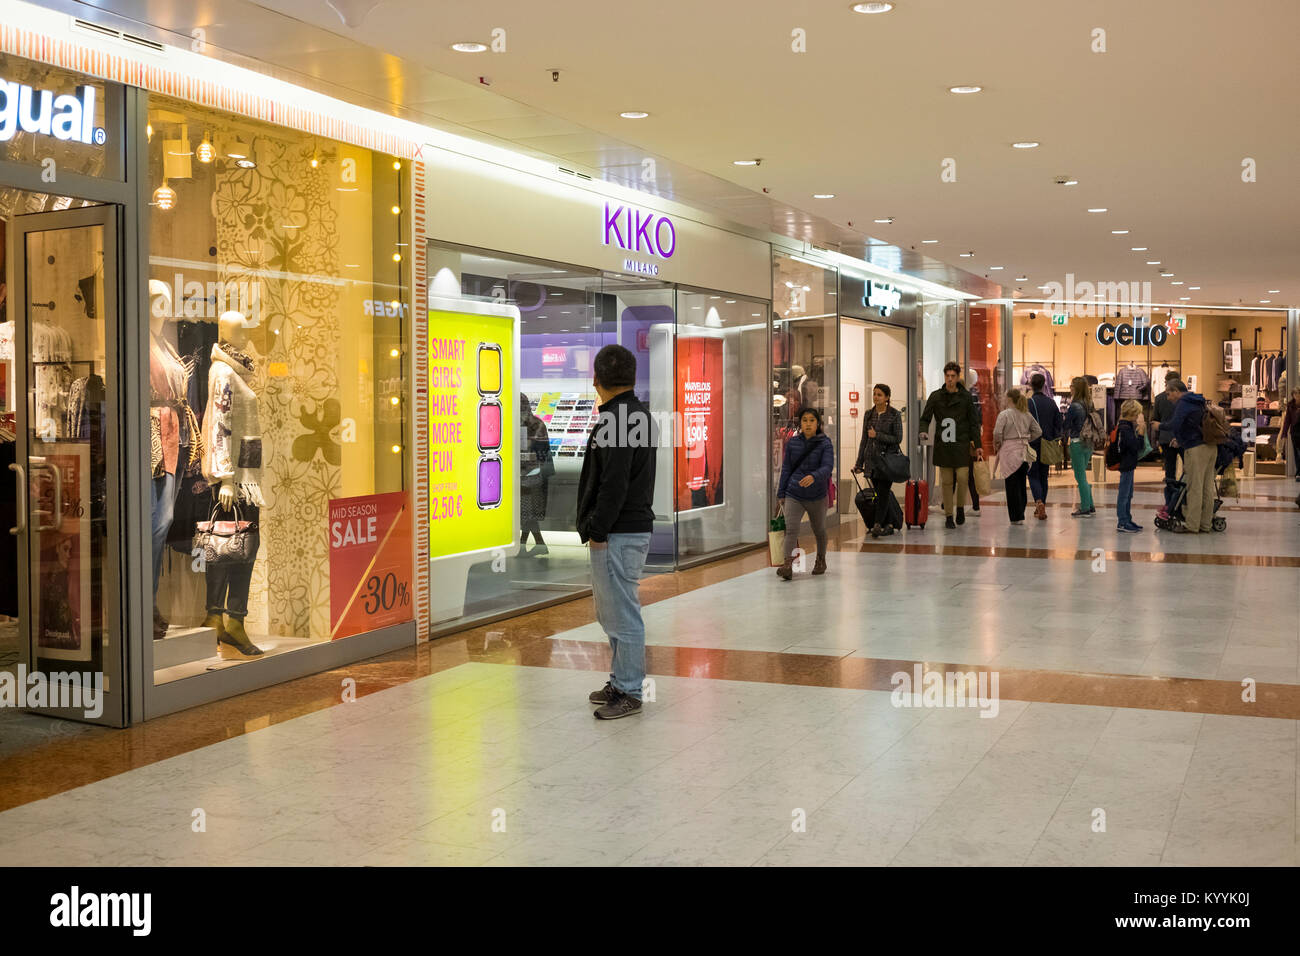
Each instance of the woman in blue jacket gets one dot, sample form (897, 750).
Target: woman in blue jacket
(806, 471)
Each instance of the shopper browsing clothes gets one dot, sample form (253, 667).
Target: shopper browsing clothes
(1130, 449)
(1014, 429)
(615, 518)
(1048, 417)
(956, 431)
(882, 433)
(806, 470)
(1081, 442)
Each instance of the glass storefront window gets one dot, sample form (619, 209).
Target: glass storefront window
(721, 397)
(709, 492)
(805, 351)
(278, 318)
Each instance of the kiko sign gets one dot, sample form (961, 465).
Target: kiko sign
(66, 116)
(637, 231)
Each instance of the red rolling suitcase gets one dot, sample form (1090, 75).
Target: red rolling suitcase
(916, 495)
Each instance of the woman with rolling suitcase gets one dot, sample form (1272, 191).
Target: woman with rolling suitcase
(882, 434)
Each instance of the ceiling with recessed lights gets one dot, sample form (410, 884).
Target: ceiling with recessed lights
(1155, 129)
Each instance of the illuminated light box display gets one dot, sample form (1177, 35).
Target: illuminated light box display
(473, 426)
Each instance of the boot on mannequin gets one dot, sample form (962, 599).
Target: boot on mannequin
(232, 463)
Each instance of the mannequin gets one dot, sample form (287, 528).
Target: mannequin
(168, 410)
(232, 463)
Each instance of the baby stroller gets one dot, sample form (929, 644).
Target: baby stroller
(1168, 518)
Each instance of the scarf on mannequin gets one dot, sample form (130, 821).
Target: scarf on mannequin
(240, 358)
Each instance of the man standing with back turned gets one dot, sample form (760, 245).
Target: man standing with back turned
(615, 518)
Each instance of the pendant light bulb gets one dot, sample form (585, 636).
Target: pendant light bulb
(164, 197)
(205, 152)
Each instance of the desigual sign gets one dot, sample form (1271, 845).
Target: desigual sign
(65, 116)
(638, 231)
(1139, 333)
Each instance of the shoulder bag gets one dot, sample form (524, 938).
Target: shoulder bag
(226, 542)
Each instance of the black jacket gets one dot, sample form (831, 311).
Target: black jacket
(617, 486)
(889, 436)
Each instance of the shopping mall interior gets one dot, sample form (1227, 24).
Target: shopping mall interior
(964, 525)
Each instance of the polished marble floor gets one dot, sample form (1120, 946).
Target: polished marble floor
(1123, 733)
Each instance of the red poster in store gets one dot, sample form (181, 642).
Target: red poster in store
(370, 562)
(699, 400)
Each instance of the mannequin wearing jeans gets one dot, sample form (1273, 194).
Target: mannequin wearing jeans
(232, 460)
(168, 382)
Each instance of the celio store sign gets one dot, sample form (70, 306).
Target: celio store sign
(1139, 333)
(69, 117)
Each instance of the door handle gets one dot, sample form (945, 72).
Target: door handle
(22, 499)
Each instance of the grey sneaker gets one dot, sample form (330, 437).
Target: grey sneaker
(601, 696)
(619, 705)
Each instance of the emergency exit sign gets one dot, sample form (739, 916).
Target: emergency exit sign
(1060, 318)
(1180, 321)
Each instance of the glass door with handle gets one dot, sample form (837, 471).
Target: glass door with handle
(64, 302)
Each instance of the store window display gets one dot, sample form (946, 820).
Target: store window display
(279, 321)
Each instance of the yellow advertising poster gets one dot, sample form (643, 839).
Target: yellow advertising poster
(473, 418)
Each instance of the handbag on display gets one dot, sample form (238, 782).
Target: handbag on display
(226, 542)
(983, 478)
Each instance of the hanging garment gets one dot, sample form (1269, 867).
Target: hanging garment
(1130, 382)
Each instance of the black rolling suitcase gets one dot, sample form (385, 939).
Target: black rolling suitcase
(865, 500)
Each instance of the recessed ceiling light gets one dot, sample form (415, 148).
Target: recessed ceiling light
(245, 163)
(1153, 262)
(1177, 282)
(1166, 275)
(823, 195)
(469, 46)
(756, 314)
(964, 89)
(886, 221)
(1139, 249)
(1022, 278)
(745, 162)
(634, 114)
(996, 268)
(1098, 209)
(1066, 181)
(731, 302)
(1274, 291)
(929, 241)
(1119, 232)
(1265, 301)
(1027, 144)
(876, 6)
(1184, 298)
(965, 255)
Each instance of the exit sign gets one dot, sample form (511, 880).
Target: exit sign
(1060, 318)
(1180, 321)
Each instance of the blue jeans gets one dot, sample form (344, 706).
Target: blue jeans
(1124, 501)
(615, 571)
(163, 503)
(1038, 473)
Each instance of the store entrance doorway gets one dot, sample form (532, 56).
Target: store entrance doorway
(59, 458)
(871, 353)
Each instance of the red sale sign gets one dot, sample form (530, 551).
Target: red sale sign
(370, 562)
(699, 399)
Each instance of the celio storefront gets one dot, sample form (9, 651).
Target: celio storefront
(204, 355)
(531, 271)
